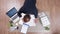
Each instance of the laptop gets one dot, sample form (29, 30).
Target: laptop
(12, 13)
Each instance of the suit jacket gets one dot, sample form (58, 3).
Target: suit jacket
(29, 7)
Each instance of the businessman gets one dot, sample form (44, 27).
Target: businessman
(29, 7)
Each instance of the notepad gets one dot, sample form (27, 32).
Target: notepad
(24, 28)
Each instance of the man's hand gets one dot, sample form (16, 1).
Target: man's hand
(36, 20)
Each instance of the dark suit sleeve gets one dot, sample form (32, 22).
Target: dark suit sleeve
(19, 13)
(36, 14)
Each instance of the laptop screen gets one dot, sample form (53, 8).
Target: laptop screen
(12, 12)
